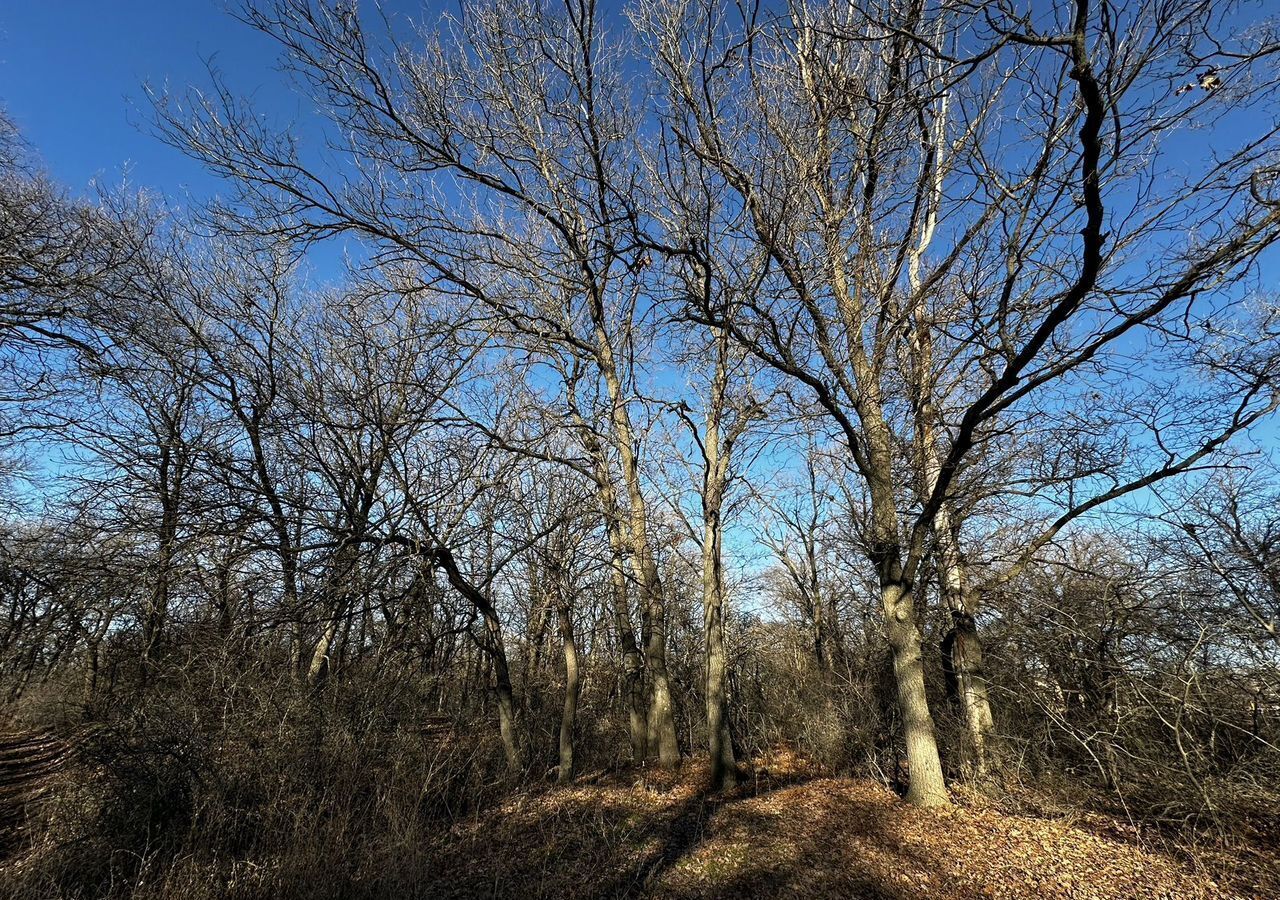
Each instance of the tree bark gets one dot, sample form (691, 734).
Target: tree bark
(724, 767)
(716, 449)
(962, 649)
(927, 785)
(632, 663)
(662, 723)
(492, 644)
(569, 715)
(318, 669)
(503, 691)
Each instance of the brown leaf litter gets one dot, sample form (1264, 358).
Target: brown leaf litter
(789, 835)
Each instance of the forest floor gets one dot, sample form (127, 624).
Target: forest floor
(785, 831)
(789, 834)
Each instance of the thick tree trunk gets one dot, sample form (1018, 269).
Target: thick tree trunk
(505, 694)
(927, 785)
(963, 658)
(716, 449)
(632, 663)
(820, 654)
(662, 723)
(962, 647)
(662, 720)
(318, 669)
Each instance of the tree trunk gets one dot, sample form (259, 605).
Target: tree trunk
(295, 650)
(539, 614)
(962, 648)
(724, 767)
(493, 647)
(319, 667)
(662, 723)
(962, 651)
(834, 633)
(820, 654)
(568, 718)
(716, 449)
(927, 785)
(632, 664)
(505, 695)
(157, 610)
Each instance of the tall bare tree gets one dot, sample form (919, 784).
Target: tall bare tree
(951, 200)
(521, 116)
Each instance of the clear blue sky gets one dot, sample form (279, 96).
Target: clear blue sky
(71, 75)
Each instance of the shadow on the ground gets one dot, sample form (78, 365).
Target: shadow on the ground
(645, 835)
(620, 842)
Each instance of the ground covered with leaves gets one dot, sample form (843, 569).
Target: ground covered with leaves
(788, 834)
(788, 830)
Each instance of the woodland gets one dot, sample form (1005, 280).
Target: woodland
(808, 449)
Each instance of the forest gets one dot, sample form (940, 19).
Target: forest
(680, 448)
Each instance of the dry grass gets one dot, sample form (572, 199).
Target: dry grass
(787, 831)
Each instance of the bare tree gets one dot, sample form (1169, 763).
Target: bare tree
(871, 149)
(525, 111)
(1229, 531)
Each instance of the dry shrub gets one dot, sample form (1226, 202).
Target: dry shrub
(273, 790)
(836, 716)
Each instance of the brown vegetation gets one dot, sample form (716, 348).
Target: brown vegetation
(786, 831)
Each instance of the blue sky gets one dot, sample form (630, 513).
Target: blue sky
(71, 75)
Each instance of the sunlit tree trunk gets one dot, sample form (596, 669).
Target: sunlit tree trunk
(569, 714)
(632, 663)
(927, 785)
(661, 716)
(493, 645)
(716, 448)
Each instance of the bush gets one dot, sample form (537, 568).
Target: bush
(269, 791)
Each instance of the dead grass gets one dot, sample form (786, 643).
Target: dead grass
(789, 830)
